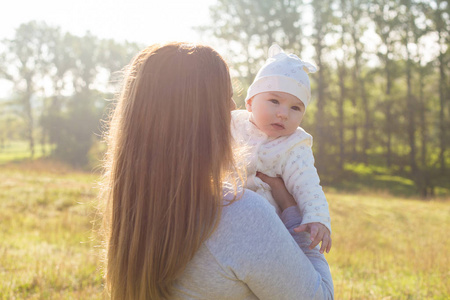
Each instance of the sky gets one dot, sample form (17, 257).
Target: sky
(143, 21)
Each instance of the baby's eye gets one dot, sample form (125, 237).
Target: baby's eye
(274, 101)
(297, 108)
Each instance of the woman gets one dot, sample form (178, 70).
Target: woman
(174, 228)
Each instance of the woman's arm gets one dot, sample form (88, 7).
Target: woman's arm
(318, 231)
(279, 191)
(291, 218)
(252, 245)
(276, 263)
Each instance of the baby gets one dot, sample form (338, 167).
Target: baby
(276, 103)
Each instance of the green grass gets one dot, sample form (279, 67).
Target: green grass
(19, 151)
(384, 247)
(379, 179)
(356, 177)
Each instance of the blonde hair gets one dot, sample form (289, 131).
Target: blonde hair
(169, 148)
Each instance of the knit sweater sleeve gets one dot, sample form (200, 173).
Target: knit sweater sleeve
(253, 245)
(303, 182)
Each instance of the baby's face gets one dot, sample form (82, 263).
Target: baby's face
(276, 113)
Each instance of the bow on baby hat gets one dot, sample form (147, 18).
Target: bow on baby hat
(275, 50)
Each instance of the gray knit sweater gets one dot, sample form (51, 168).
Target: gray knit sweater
(252, 255)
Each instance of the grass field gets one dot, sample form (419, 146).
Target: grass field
(46, 245)
(19, 151)
(384, 247)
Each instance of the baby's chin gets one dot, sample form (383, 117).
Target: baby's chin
(275, 135)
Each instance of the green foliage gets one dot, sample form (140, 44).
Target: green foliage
(18, 150)
(43, 58)
(358, 177)
(363, 109)
(77, 129)
(378, 98)
(12, 126)
(248, 28)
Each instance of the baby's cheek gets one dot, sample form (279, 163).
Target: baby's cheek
(266, 114)
(259, 117)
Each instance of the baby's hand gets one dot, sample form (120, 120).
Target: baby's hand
(318, 233)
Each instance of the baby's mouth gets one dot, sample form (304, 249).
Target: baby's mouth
(277, 126)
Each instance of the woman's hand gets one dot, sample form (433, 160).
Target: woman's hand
(279, 192)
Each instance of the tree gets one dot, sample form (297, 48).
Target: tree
(56, 78)
(82, 112)
(79, 122)
(114, 57)
(439, 13)
(249, 28)
(407, 28)
(321, 27)
(62, 63)
(342, 70)
(358, 26)
(27, 61)
(385, 18)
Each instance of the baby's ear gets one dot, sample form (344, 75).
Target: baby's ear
(248, 104)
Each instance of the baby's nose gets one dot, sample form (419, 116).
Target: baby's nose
(282, 113)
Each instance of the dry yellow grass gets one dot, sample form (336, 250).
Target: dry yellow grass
(46, 245)
(384, 247)
(389, 248)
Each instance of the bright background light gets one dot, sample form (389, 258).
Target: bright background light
(143, 21)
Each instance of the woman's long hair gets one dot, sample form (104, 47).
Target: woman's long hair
(169, 146)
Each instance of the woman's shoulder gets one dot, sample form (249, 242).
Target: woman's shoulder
(243, 224)
(247, 202)
(247, 217)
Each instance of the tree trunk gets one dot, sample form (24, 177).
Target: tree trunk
(422, 116)
(44, 141)
(320, 106)
(360, 88)
(29, 115)
(388, 114)
(341, 116)
(366, 128)
(422, 107)
(441, 110)
(411, 108)
(354, 129)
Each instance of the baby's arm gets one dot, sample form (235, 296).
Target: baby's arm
(303, 182)
(318, 232)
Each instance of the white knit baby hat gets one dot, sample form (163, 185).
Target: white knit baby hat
(283, 73)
